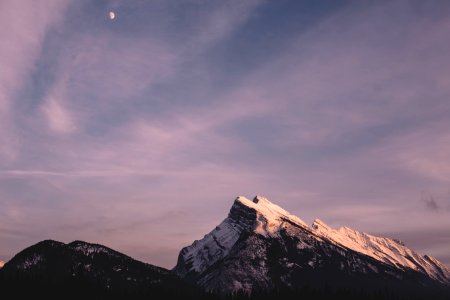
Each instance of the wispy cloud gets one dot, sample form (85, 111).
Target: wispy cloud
(23, 27)
(58, 117)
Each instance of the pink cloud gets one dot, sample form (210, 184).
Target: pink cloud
(219, 23)
(23, 26)
(424, 152)
(59, 118)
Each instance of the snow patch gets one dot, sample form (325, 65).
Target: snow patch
(301, 245)
(32, 261)
(90, 249)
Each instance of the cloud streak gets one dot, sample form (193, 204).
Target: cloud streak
(23, 28)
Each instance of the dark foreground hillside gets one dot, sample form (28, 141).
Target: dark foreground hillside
(80, 270)
(82, 288)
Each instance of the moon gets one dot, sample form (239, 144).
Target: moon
(112, 15)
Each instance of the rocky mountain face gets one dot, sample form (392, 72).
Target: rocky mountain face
(83, 270)
(260, 246)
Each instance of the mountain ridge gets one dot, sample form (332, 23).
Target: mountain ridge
(85, 270)
(258, 249)
(254, 228)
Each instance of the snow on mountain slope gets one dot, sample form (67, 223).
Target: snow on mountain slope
(216, 245)
(270, 216)
(90, 250)
(213, 247)
(2, 263)
(390, 251)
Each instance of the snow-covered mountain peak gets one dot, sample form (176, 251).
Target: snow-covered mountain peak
(241, 246)
(258, 215)
(269, 216)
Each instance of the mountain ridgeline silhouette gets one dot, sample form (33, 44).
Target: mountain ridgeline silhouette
(259, 251)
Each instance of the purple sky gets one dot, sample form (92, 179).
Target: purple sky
(139, 132)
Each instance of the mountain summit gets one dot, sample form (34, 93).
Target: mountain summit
(261, 246)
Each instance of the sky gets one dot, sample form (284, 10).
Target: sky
(139, 132)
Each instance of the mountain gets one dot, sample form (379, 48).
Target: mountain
(260, 251)
(2, 263)
(83, 270)
(262, 247)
